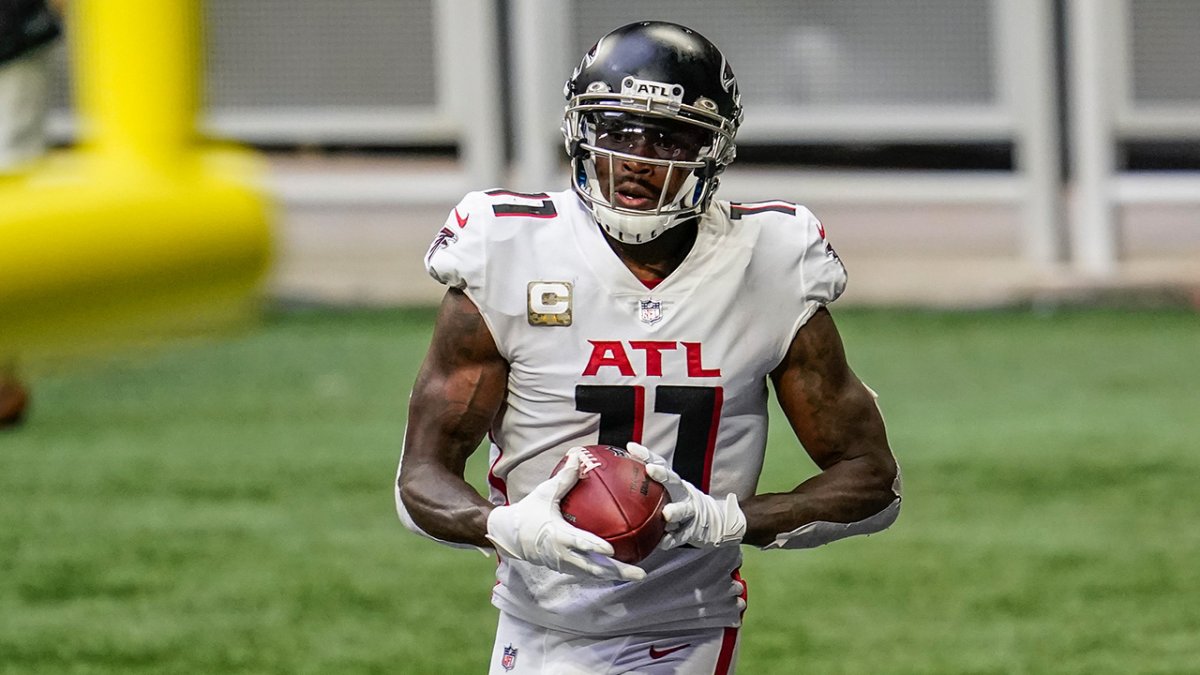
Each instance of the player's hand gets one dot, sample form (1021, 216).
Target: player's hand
(534, 530)
(692, 516)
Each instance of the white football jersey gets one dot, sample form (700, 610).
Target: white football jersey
(596, 356)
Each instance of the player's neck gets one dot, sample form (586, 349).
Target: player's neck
(659, 257)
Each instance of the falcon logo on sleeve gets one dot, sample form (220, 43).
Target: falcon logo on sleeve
(443, 239)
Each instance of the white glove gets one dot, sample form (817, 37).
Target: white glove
(692, 516)
(534, 530)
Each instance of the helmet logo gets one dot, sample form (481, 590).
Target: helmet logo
(590, 57)
(658, 90)
(728, 81)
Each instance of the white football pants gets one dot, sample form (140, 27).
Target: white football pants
(525, 649)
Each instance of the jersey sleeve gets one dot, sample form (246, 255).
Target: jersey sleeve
(794, 261)
(818, 273)
(793, 253)
(822, 274)
(457, 257)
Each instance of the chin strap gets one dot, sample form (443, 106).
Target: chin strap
(822, 532)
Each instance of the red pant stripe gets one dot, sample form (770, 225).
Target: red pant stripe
(728, 644)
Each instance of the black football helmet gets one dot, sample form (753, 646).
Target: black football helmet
(662, 85)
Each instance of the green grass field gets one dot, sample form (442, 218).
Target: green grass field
(225, 506)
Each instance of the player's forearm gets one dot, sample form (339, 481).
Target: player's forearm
(449, 413)
(863, 491)
(444, 506)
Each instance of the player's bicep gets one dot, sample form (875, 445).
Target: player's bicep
(831, 411)
(459, 388)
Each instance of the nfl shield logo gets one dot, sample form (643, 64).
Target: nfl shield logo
(509, 660)
(650, 311)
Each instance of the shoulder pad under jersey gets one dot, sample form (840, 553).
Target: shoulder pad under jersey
(794, 249)
(458, 253)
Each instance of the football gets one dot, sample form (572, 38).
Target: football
(617, 501)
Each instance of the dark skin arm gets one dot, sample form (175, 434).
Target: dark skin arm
(458, 392)
(834, 416)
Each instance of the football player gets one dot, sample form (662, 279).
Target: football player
(635, 309)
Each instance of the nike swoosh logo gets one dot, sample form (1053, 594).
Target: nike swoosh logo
(656, 653)
(462, 222)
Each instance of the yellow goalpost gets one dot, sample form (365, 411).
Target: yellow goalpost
(144, 223)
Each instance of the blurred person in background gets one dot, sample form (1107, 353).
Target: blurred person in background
(27, 29)
(637, 310)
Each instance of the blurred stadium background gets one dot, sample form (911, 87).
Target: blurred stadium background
(1013, 184)
(961, 152)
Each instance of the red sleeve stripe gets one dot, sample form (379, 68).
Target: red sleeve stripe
(737, 210)
(768, 202)
(509, 193)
